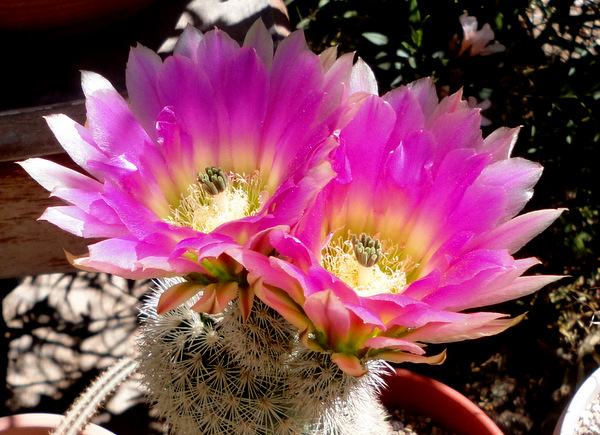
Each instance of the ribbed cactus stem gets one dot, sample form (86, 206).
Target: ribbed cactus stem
(84, 408)
(217, 374)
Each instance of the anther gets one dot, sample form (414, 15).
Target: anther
(367, 250)
(214, 181)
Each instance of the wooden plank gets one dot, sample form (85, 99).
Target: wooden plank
(24, 132)
(29, 246)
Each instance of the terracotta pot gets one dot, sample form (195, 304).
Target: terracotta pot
(585, 394)
(445, 406)
(53, 14)
(40, 424)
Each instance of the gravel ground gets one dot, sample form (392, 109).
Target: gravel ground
(589, 423)
(406, 424)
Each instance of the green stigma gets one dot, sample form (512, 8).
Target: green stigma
(367, 250)
(214, 181)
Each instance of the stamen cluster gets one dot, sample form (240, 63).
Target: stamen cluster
(214, 181)
(367, 250)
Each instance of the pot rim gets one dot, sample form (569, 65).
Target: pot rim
(44, 421)
(443, 404)
(589, 389)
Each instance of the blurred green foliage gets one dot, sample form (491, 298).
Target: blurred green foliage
(547, 81)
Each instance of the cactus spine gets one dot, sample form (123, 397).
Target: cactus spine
(216, 374)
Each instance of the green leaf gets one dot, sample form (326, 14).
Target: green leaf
(376, 38)
(415, 14)
(405, 54)
(416, 35)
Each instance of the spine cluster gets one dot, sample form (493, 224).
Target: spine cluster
(216, 374)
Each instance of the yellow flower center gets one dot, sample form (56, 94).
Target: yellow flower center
(240, 196)
(388, 275)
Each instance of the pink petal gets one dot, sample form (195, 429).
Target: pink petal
(478, 279)
(328, 57)
(189, 42)
(82, 224)
(76, 141)
(515, 233)
(409, 165)
(286, 246)
(216, 297)
(52, 176)
(259, 38)
(402, 357)
(423, 286)
(280, 300)
(338, 73)
(329, 315)
(398, 344)
(293, 103)
(426, 94)
(349, 364)
(474, 326)
(238, 126)
(139, 220)
(177, 295)
(526, 285)
(245, 301)
(516, 177)
(501, 142)
(143, 66)
(213, 52)
(456, 127)
(189, 94)
(499, 193)
(123, 257)
(459, 168)
(365, 318)
(210, 245)
(396, 310)
(363, 79)
(177, 144)
(363, 187)
(114, 129)
(409, 115)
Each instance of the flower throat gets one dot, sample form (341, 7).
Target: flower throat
(217, 197)
(368, 265)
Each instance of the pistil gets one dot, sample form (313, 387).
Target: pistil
(360, 262)
(215, 183)
(368, 253)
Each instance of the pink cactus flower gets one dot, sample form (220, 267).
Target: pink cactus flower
(477, 41)
(217, 144)
(420, 224)
(369, 223)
